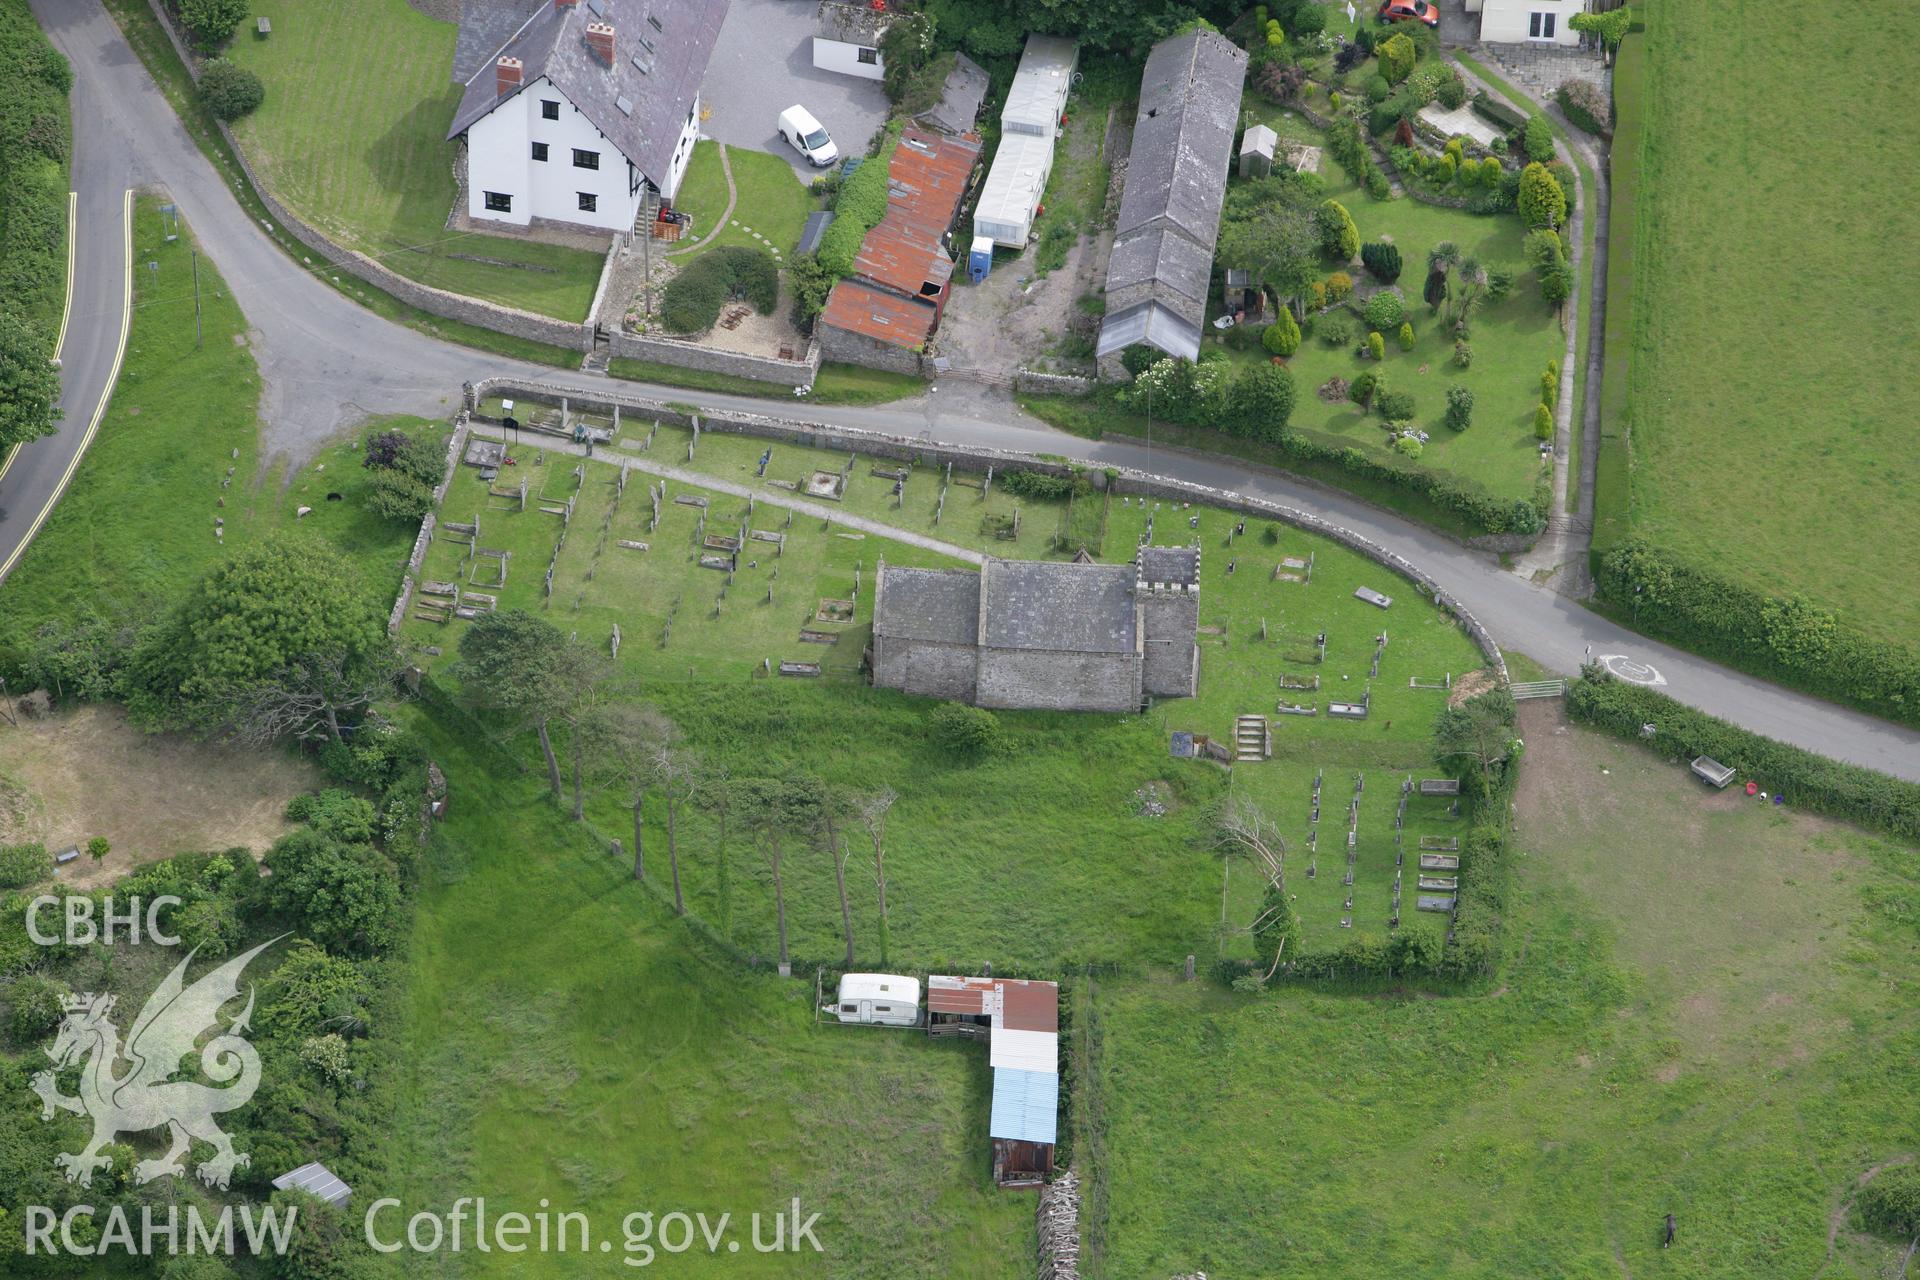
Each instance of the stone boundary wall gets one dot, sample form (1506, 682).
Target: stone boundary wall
(439, 302)
(1051, 384)
(456, 448)
(1118, 480)
(691, 355)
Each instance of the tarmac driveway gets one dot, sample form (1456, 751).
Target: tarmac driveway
(763, 64)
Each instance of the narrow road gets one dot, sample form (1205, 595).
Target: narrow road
(325, 361)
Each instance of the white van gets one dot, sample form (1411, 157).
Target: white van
(807, 136)
(882, 999)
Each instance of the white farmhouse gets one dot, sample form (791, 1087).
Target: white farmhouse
(846, 38)
(1527, 21)
(574, 109)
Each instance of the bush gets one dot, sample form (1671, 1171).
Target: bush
(1408, 446)
(1279, 82)
(1459, 405)
(1139, 357)
(1556, 286)
(1385, 310)
(1542, 422)
(1260, 402)
(1586, 105)
(23, 864)
(395, 495)
(1453, 90)
(1363, 388)
(1339, 287)
(1338, 236)
(1378, 187)
(1406, 335)
(1889, 1205)
(1282, 337)
(212, 21)
(1394, 406)
(1499, 284)
(1498, 112)
(1378, 90)
(1349, 148)
(1681, 733)
(1537, 137)
(1307, 20)
(1444, 170)
(1541, 201)
(692, 300)
(1549, 383)
(1376, 346)
(861, 204)
(1462, 355)
(1397, 55)
(1035, 485)
(230, 91)
(36, 1008)
(1336, 330)
(1382, 260)
(967, 732)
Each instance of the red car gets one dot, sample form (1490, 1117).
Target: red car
(1410, 11)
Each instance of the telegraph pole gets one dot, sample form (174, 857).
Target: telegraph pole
(196, 297)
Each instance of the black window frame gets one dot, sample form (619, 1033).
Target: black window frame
(589, 201)
(1540, 24)
(549, 109)
(497, 201)
(540, 151)
(869, 57)
(591, 160)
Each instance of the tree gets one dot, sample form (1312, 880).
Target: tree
(873, 809)
(29, 384)
(212, 21)
(1541, 201)
(580, 693)
(1382, 260)
(1610, 27)
(1376, 345)
(1267, 227)
(1542, 422)
(1338, 236)
(98, 848)
(346, 897)
(1538, 139)
(1406, 336)
(230, 91)
(1396, 54)
(1260, 402)
(1556, 285)
(835, 803)
(677, 775)
(775, 809)
(512, 662)
(1459, 407)
(1243, 830)
(1282, 337)
(621, 742)
(1478, 732)
(961, 730)
(281, 638)
(1473, 278)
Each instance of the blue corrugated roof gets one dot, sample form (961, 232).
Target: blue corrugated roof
(1026, 1105)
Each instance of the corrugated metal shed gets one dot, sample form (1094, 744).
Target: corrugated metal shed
(958, 995)
(874, 313)
(1026, 1105)
(316, 1180)
(1026, 1050)
(1029, 1006)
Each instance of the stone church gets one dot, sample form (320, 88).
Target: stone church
(1064, 636)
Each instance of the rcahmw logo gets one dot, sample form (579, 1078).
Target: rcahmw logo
(81, 931)
(145, 1097)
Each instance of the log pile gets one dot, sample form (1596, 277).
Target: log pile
(1060, 1228)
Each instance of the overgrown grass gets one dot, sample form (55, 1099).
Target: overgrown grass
(1611, 498)
(352, 136)
(35, 145)
(1645, 1052)
(149, 43)
(138, 522)
(1772, 353)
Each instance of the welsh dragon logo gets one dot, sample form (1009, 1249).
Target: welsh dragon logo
(146, 1096)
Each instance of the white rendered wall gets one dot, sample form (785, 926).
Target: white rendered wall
(844, 57)
(500, 158)
(1507, 21)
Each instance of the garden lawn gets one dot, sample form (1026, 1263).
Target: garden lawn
(1772, 349)
(352, 136)
(563, 1039)
(769, 198)
(1707, 1010)
(136, 525)
(1037, 857)
(1512, 340)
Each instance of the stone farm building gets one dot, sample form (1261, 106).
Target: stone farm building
(573, 110)
(1157, 277)
(884, 316)
(1065, 636)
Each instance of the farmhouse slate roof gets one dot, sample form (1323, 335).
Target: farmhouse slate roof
(1037, 604)
(960, 97)
(1176, 182)
(851, 23)
(661, 48)
(928, 604)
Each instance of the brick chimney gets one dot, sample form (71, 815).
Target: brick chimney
(564, 4)
(507, 74)
(600, 40)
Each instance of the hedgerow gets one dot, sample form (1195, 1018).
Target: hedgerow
(34, 147)
(858, 208)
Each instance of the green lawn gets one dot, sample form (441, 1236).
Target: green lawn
(565, 1038)
(137, 523)
(1512, 340)
(769, 198)
(1707, 1011)
(1772, 350)
(353, 136)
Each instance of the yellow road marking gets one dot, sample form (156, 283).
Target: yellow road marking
(106, 394)
(66, 312)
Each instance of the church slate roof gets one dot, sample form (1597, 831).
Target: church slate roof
(928, 604)
(1035, 604)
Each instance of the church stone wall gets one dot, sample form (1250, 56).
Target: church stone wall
(1058, 681)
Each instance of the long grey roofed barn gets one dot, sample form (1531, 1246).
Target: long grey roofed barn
(1176, 182)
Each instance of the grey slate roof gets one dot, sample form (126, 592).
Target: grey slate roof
(1176, 182)
(1169, 565)
(551, 40)
(851, 23)
(1034, 604)
(928, 604)
(960, 97)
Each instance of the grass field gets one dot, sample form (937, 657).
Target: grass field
(137, 522)
(566, 1038)
(364, 156)
(1512, 340)
(1771, 352)
(1708, 1011)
